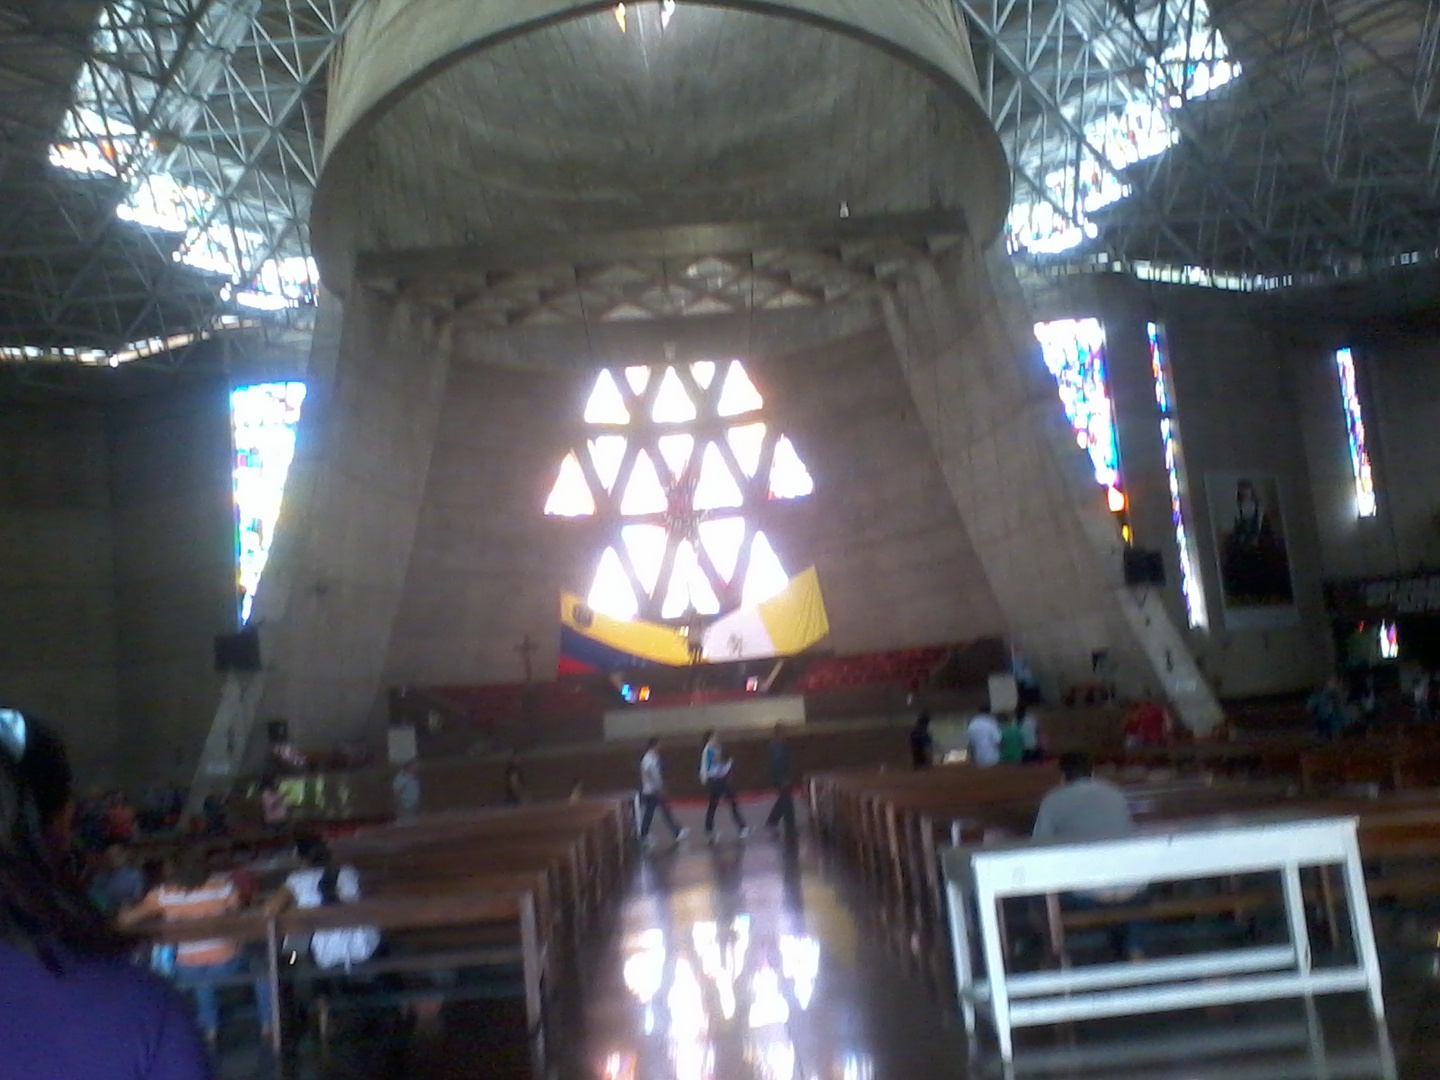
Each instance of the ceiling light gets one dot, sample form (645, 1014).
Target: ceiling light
(620, 16)
(667, 9)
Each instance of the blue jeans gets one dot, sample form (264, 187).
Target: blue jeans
(1127, 939)
(207, 1006)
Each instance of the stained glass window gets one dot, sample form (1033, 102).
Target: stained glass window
(1191, 584)
(1355, 431)
(678, 458)
(263, 420)
(1074, 351)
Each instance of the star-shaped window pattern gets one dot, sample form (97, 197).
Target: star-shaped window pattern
(676, 459)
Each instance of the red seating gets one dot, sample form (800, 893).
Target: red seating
(898, 668)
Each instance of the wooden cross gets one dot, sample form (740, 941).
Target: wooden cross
(527, 650)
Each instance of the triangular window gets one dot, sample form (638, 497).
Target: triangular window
(789, 479)
(611, 593)
(675, 452)
(606, 405)
(606, 454)
(571, 495)
(766, 577)
(717, 489)
(644, 494)
(722, 540)
(672, 403)
(646, 544)
(738, 395)
(746, 442)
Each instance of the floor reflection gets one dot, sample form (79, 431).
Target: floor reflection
(758, 962)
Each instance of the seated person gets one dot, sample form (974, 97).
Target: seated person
(118, 882)
(1146, 724)
(322, 884)
(191, 891)
(1084, 808)
(982, 738)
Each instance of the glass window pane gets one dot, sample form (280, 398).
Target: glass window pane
(722, 539)
(638, 378)
(717, 488)
(263, 419)
(789, 479)
(704, 372)
(765, 577)
(672, 403)
(675, 451)
(570, 497)
(738, 395)
(606, 453)
(644, 494)
(747, 442)
(606, 406)
(646, 544)
(688, 586)
(612, 594)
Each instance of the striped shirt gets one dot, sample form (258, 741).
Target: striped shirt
(216, 897)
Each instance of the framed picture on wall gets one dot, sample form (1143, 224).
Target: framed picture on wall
(1252, 548)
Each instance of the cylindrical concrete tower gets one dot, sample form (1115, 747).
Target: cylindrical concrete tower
(485, 123)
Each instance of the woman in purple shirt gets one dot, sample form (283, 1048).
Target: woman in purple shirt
(71, 1006)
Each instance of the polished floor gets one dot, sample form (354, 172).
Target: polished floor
(761, 960)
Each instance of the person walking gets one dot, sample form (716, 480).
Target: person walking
(406, 787)
(922, 743)
(652, 795)
(715, 775)
(777, 758)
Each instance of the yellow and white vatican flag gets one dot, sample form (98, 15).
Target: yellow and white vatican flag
(787, 623)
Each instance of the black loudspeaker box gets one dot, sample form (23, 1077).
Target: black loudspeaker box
(1144, 566)
(277, 731)
(239, 651)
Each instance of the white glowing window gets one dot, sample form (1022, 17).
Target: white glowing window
(689, 589)
(675, 452)
(746, 442)
(606, 405)
(638, 378)
(644, 494)
(612, 594)
(738, 395)
(263, 421)
(722, 540)
(570, 497)
(672, 403)
(646, 544)
(766, 577)
(682, 509)
(789, 479)
(606, 454)
(717, 488)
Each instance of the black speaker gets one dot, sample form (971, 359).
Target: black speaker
(239, 651)
(277, 731)
(1144, 566)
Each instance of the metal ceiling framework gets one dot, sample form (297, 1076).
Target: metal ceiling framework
(1321, 158)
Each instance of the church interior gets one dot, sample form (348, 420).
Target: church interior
(513, 448)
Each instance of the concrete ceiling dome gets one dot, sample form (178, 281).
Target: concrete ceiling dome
(470, 123)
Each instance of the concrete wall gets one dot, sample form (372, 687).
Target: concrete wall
(1398, 371)
(1238, 411)
(174, 577)
(57, 604)
(1050, 550)
(487, 566)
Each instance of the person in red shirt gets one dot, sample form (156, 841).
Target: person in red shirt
(1146, 724)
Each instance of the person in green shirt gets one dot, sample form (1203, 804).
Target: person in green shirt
(1012, 740)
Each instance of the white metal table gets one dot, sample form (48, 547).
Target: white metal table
(979, 878)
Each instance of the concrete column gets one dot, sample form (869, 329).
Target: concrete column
(1035, 517)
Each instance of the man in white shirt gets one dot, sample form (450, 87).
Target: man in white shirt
(652, 794)
(983, 739)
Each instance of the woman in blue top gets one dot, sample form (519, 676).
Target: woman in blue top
(71, 1006)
